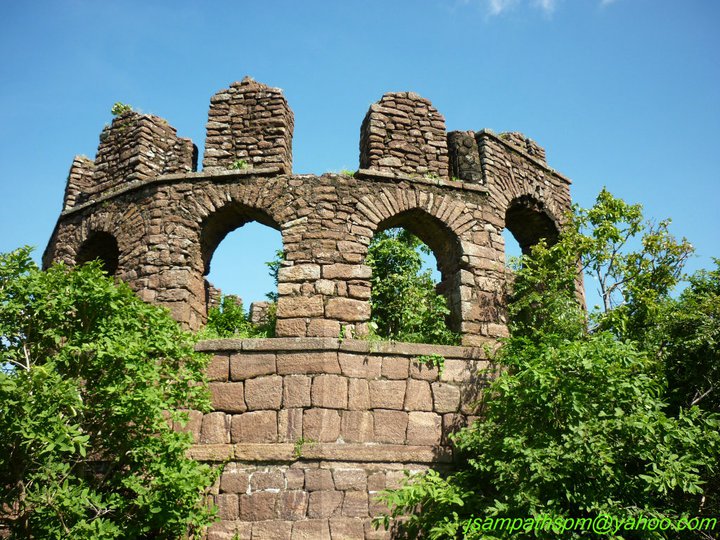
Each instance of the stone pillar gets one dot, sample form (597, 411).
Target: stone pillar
(465, 162)
(137, 147)
(404, 134)
(249, 125)
(79, 182)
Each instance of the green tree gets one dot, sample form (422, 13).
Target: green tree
(405, 306)
(92, 379)
(578, 422)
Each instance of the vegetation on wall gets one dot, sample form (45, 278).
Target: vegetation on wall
(405, 306)
(614, 414)
(92, 380)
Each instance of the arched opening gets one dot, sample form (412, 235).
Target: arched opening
(237, 242)
(528, 221)
(410, 302)
(100, 246)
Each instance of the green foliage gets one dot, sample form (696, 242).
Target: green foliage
(120, 108)
(239, 165)
(405, 306)
(92, 378)
(347, 172)
(578, 422)
(432, 361)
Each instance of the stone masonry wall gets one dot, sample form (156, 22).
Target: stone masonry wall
(250, 122)
(314, 428)
(80, 182)
(403, 133)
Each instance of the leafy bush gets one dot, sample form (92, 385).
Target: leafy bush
(578, 423)
(91, 379)
(405, 306)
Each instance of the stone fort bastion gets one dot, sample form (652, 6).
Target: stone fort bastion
(313, 426)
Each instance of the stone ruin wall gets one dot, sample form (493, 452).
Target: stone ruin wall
(312, 426)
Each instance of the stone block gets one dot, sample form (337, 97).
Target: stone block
(330, 391)
(423, 372)
(346, 271)
(299, 272)
(319, 480)
(258, 506)
(357, 365)
(263, 480)
(214, 429)
(387, 394)
(395, 368)
(355, 504)
(347, 309)
(424, 428)
(227, 396)
(324, 504)
(323, 328)
(290, 424)
(350, 479)
(290, 327)
(357, 426)
(218, 368)
(254, 427)
(311, 529)
(308, 362)
(264, 392)
(192, 426)
(346, 529)
(299, 306)
(292, 504)
(418, 396)
(248, 365)
(390, 426)
(446, 397)
(358, 394)
(227, 504)
(295, 478)
(234, 480)
(296, 391)
(271, 530)
(227, 530)
(321, 425)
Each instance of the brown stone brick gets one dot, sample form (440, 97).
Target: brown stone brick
(295, 478)
(376, 481)
(299, 306)
(424, 428)
(271, 530)
(330, 391)
(347, 309)
(346, 271)
(372, 533)
(387, 394)
(227, 396)
(226, 530)
(227, 504)
(350, 479)
(214, 429)
(357, 426)
(446, 397)
(256, 426)
(296, 391)
(358, 365)
(423, 372)
(292, 504)
(311, 529)
(234, 481)
(395, 367)
(299, 272)
(323, 328)
(218, 369)
(290, 327)
(346, 529)
(418, 396)
(324, 504)
(247, 365)
(390, 426)
(264, 392)
(319, 480)
(308, 362)
(358, 394)
(192, 426)
(262, 480)
(355, 504)
(321, 425)
(290, 424)
(258, 506)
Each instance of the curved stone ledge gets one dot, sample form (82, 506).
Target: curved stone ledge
(347, 345)
(357, 453)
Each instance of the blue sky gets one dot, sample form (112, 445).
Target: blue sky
(622, 93)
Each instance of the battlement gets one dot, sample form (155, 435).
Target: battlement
(370, 409)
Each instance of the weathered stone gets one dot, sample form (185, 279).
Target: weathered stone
(390, 426)
(357, 426)
(271, 530)
(358, 394)
(249, 365)
(319, 480)
(256, 426)
(324, 504)
(292, 504)
(350, 479)
(311, 529)
(355, 504)
(418, 396)
(218, 368)
(387, 394)
(322, 425)
(258, 506)
(311, 362)
(347, 309)
(446, 397)
(228, 397)
(330, 391)
(227, 504)
(214, 429)
(296, 391)
(424, 428)
(395, 368)
(346, 529)
(264, 392)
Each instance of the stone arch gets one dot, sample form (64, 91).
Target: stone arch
(100, 245)
(529, 221)
(218, 224)
(446, 247)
